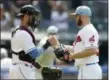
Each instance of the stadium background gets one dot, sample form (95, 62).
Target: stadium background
(67, 26)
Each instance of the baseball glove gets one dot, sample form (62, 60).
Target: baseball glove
(61, 53)
(51, 74)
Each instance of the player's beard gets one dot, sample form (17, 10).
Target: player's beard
(30, 23)
(79, 22)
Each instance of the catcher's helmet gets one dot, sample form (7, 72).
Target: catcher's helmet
(28, 9)
(35, 13)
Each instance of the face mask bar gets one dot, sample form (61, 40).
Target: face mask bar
(35, 21)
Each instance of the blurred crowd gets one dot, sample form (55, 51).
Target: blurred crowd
(54, 12)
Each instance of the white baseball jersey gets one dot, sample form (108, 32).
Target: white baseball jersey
(21, 41)
(86, 38)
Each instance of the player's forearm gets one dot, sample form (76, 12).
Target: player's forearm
(46, 45)
(83, 54)
(36, 52)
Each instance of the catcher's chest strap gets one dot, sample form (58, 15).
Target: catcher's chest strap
(27, 58)
(24, 57)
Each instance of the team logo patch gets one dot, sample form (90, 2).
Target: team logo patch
(78, 39)
(92, 39)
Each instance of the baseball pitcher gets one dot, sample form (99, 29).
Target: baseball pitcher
(85, 47)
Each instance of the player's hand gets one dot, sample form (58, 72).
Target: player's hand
(46, 45)
(62, 53)
(54, 42)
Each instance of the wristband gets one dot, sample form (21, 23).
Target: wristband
(46, 45)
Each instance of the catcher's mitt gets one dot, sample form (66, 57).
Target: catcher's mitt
(61, 53)
(51, 74)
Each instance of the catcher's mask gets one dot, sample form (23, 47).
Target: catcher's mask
(35, 14)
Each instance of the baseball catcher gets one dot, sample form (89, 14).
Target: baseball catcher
(24, 50)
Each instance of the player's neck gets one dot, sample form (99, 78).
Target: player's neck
(86, 23)
(24, 24)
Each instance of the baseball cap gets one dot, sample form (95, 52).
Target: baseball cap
(28, 9)
(83, 10)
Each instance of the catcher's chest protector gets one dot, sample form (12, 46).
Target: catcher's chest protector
(21, 54)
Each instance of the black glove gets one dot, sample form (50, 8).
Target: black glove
(51, 74)
(61, 53)
(46, 45)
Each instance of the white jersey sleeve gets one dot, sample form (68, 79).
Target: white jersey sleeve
(90, 38)
(27, 43)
